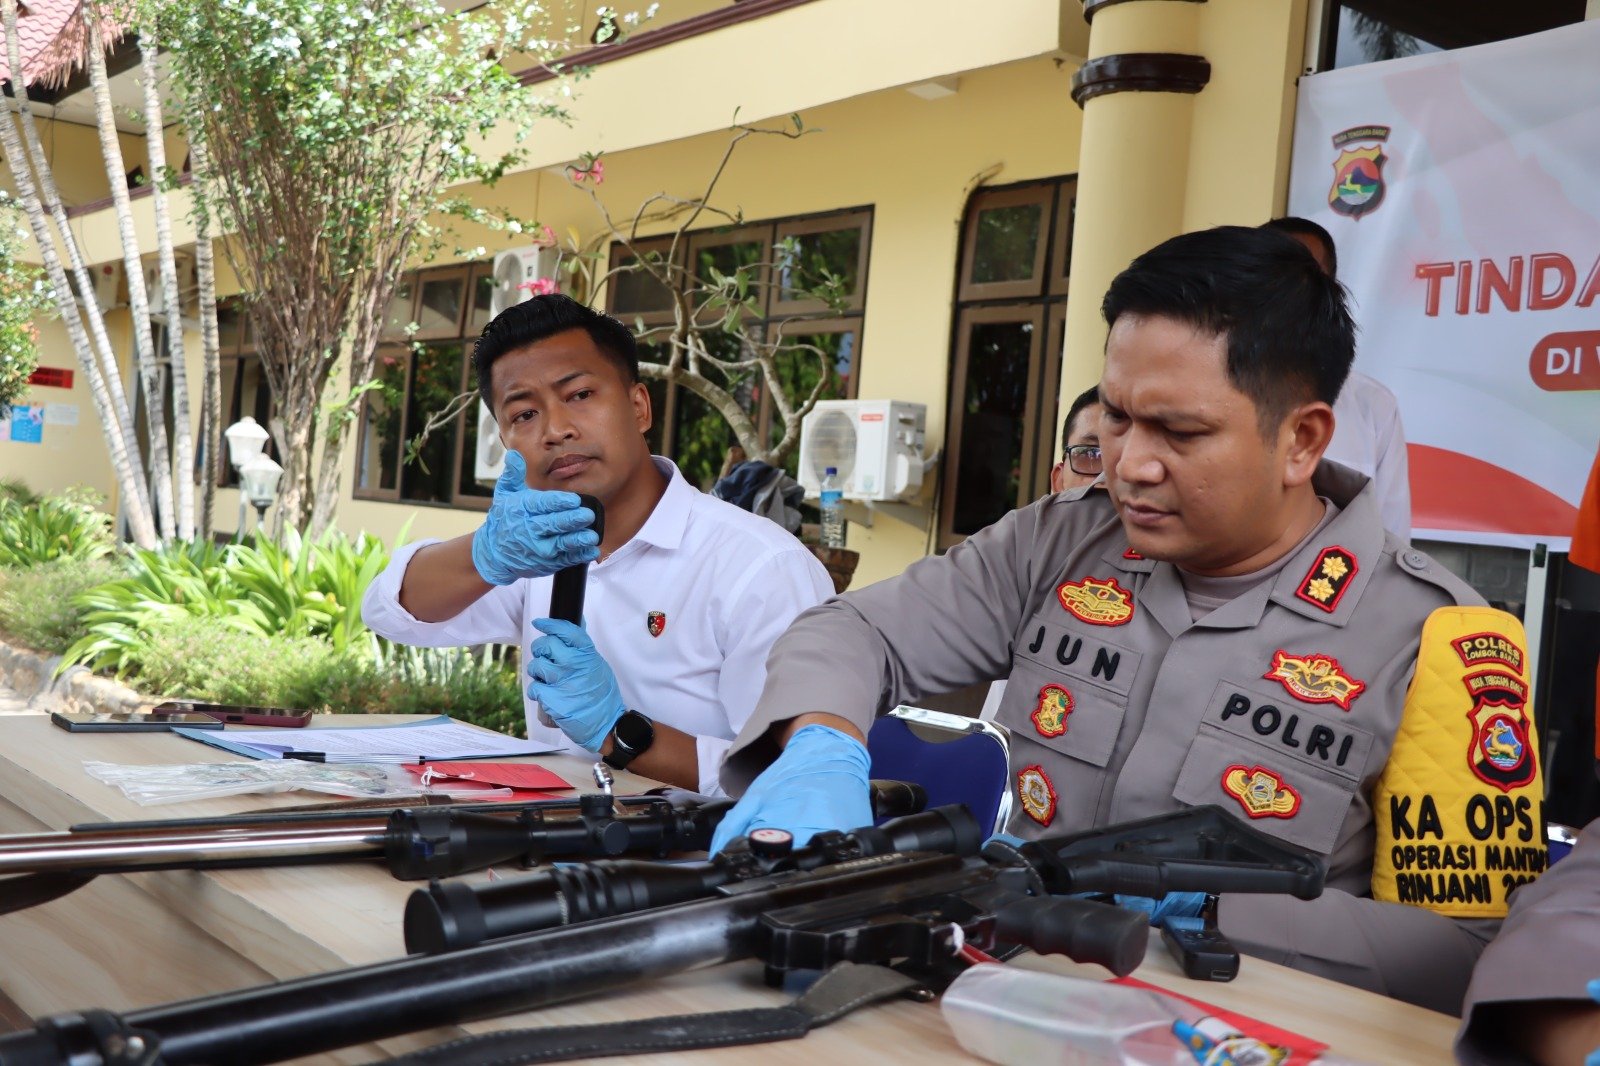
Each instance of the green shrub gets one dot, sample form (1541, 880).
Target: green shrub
(299, 589)
(55, 527)
(39, 605)
(209, 659)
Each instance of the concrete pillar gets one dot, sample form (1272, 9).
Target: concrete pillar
(1188, 115)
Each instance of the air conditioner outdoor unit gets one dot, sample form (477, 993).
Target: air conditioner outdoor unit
(105, 278)
(513, 269)
(876, 445)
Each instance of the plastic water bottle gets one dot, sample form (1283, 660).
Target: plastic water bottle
(832, 509)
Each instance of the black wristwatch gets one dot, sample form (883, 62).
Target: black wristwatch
(631, 737)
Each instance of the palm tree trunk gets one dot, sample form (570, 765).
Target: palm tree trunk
(183, 434)
(133, 266)
(30, 169)
(212, 414)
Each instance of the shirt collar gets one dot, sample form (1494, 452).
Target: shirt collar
(670, 517)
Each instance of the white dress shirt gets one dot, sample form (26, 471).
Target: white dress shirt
(1368, 437)
(725, 582)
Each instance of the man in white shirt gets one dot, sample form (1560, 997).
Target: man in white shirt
(1367, 434)
(687, 593)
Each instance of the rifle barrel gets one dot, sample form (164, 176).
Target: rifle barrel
(123, 852)
(315, 1014)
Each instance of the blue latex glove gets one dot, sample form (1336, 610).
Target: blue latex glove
(819, 782)
(529, 532)
(573, 683)
(1172, 905)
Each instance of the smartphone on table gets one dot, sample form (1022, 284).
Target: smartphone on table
(129, 721)
(236, 714)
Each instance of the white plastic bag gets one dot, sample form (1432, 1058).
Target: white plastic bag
(1024, 1018)
(152, 785)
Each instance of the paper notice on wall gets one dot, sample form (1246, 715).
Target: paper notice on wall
(61, 414)
(27, 423)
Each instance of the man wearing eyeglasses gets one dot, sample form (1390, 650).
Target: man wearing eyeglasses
(1080, 455)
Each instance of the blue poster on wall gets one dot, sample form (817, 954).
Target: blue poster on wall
(27, 423)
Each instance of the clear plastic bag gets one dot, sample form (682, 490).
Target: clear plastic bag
(152, 785)
(1015, 1016)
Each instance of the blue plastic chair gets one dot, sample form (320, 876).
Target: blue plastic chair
(967, 763)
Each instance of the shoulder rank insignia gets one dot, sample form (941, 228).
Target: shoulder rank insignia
(1050, 713)
(1314, 678)
(656, 622)
(1324, 584)
(1100, 603)
(1481, 649)
(1038, 794)
(1260, 792)
(1499, 755)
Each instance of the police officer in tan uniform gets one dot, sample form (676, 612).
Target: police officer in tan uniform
(1230, 624)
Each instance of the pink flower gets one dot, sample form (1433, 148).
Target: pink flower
(591, 170)
(597, 172)
(540, 287)
(546, 238)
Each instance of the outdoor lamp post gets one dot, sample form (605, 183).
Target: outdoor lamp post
(258, 480)
(246, 439)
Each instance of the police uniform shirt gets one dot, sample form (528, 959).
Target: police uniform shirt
(1281, 705)
(684, 612)
(1547, 949)
(1369, 439)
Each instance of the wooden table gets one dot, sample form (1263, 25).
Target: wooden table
(136, 940)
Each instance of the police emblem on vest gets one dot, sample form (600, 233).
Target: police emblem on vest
(1499, 753)
(1098, 602)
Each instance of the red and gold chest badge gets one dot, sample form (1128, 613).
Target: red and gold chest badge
(656, 623)
(1050, 713)
(1100, 603)
(1325, 583)
(1038, 795)
(1500, 754)
(1262, 793)
(1314, 678)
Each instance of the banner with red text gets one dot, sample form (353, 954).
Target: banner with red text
(1463, 192)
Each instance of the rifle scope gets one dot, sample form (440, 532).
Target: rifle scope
(450, 916)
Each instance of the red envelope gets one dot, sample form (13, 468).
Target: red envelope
(524, 777)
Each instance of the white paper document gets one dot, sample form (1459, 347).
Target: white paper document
(435, 739)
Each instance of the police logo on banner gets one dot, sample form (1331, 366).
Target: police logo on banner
(1358, 171)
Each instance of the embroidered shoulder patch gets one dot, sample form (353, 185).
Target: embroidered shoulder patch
(1262, 793)
(1325, 583)
(1038, 795)
(1050, 713)
(1098, 602)
(1314, 678)
(1478, 649)
(1499, 754)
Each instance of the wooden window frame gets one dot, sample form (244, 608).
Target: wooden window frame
(382, 494)
(1048, 401)
(399, 335)
(1041, 194)
(422, 280)
(468, 381)
(965, 319)
(842, 324)
(480, 270)
(860, 219)
(1063, 220)
(651, 320)
(752, 233)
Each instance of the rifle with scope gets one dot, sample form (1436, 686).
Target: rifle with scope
(913, 893)
(413, 842)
